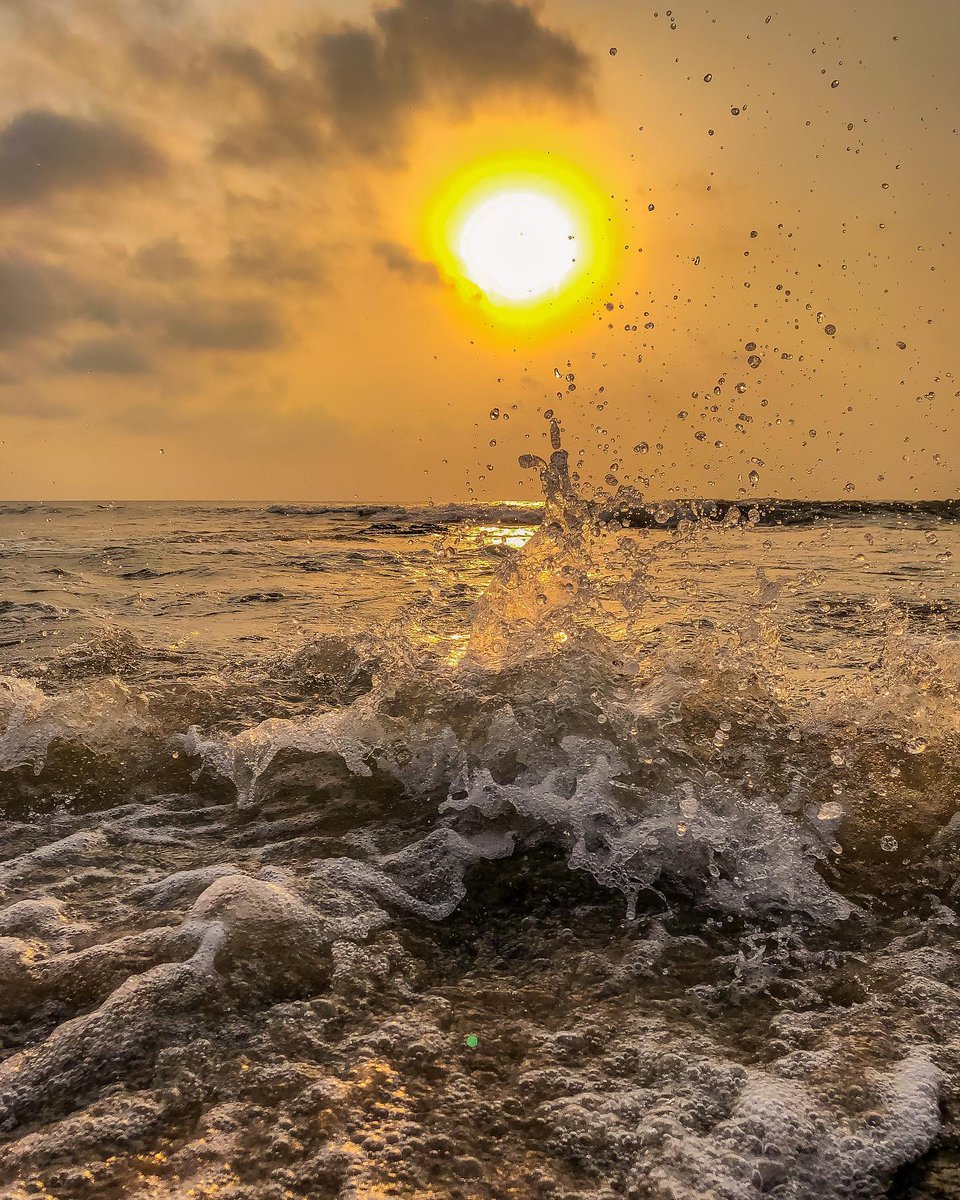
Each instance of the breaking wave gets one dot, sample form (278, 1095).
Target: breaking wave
(632, 890)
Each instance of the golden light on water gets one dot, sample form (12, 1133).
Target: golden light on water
(524, 237)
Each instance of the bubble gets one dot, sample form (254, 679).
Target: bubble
(888, 844)
(901, 345)
(613, 52)
(754, 360)
(835, 84)
(641, 448)
(708, 78)
(494, 414)
(829, 330)
(754, 478)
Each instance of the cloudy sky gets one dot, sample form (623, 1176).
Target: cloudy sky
(213, 282)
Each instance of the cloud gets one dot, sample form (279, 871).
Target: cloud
(42, 152)
(398, 259)
(267, 141)
(359, 85)
(24, 404)
(165, 260)
(107, 356)
(31, 300)
(272, 261)
(228, 325)
(452, 51)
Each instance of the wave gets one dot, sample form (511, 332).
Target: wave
(560, 910)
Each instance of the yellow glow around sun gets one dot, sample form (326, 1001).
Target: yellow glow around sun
(523, 237)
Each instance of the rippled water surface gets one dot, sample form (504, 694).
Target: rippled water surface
(479, 852)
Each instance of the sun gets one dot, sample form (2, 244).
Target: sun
(524, 238)
(518, 246)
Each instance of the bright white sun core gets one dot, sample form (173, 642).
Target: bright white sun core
(518, 246)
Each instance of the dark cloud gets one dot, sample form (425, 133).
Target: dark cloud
(361, 84)
(229, 325)
(398, 258)
(271, 261)
(43, 152)
(165, 260)
(106, 356)
(452, 51)
(31, 298)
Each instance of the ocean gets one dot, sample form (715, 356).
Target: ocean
(560, 851)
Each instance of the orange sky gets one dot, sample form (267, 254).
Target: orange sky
(212, 271)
